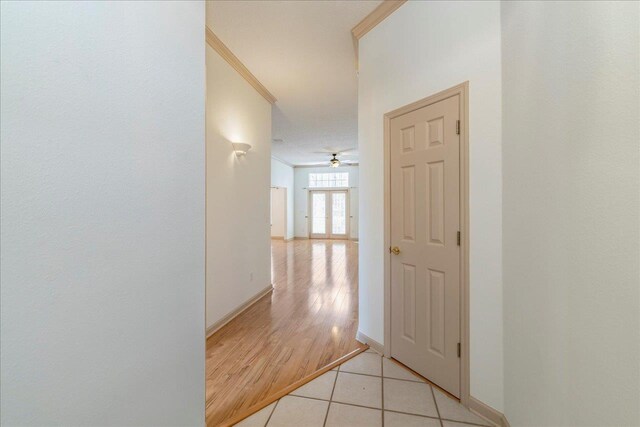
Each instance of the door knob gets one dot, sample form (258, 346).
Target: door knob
(395, 250)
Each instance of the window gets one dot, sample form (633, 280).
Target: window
(329, 180)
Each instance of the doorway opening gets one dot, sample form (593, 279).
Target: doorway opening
(279, 213)
(329, 217)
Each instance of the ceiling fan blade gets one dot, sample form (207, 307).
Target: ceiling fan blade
(331, 150)
(348, 150)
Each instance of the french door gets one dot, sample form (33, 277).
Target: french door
(329, 214)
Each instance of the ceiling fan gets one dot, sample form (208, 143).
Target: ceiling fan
(334, 162)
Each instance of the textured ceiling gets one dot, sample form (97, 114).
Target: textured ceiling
(302, 52)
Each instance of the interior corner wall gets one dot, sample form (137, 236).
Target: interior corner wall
(421, 49)
(571, 166)
(282, 176)
(238, 190)
(302, 197)
(102, 229)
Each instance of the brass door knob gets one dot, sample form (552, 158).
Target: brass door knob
(395, 250)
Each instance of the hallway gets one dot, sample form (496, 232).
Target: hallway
(307, 322)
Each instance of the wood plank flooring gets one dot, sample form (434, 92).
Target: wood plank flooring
(308, 321)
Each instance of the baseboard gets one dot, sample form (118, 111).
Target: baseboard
(355, 239)
(301, 238)
(232, 315)
(277, 237)
(289, 239)
(487, 412)
(375, 345)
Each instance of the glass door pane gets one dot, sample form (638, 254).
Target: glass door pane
(339, 213)
(318, 213)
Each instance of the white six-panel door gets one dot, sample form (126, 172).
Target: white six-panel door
(425, 218)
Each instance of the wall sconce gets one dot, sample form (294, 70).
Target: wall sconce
(241, 148)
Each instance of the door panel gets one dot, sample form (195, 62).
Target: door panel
(408, 300)
(319, 214)
(409, 203)
(425, 218)
(339, 212)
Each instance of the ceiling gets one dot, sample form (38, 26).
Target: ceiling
(302, 52)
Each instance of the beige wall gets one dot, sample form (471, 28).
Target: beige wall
(238, 190)
(421, 49)
(102, 257)
(571, 165)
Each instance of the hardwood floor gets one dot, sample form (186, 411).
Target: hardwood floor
(308, 321)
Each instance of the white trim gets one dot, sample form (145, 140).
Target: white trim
(226, 54)
(326, 165)
(487, 412)
(375, 345)
(284, 162)
(235, 313)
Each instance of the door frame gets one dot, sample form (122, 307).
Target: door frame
(462, 90)
(329, 198)
(285, 218)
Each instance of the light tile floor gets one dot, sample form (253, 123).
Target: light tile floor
(366, 391)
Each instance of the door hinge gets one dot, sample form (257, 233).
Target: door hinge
(457, 127)
(459, 350)
(458, 238)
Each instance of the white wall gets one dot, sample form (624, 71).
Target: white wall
(102, 200)
(238, 236)
(571, 100)
(302, 198)
(282, 176)
(421, 49)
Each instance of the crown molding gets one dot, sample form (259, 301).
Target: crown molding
(284, 162)
(227, 55)
(384, 9)
(325, 165)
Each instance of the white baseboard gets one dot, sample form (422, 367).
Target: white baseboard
(487, 412)
(233, 314)
(375, 345)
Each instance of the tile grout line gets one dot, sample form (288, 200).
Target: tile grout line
(435, 403)
(382, 380)
(379, 409)
(389, 378)
(382, 409)
(326, 415)
(272, 411)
